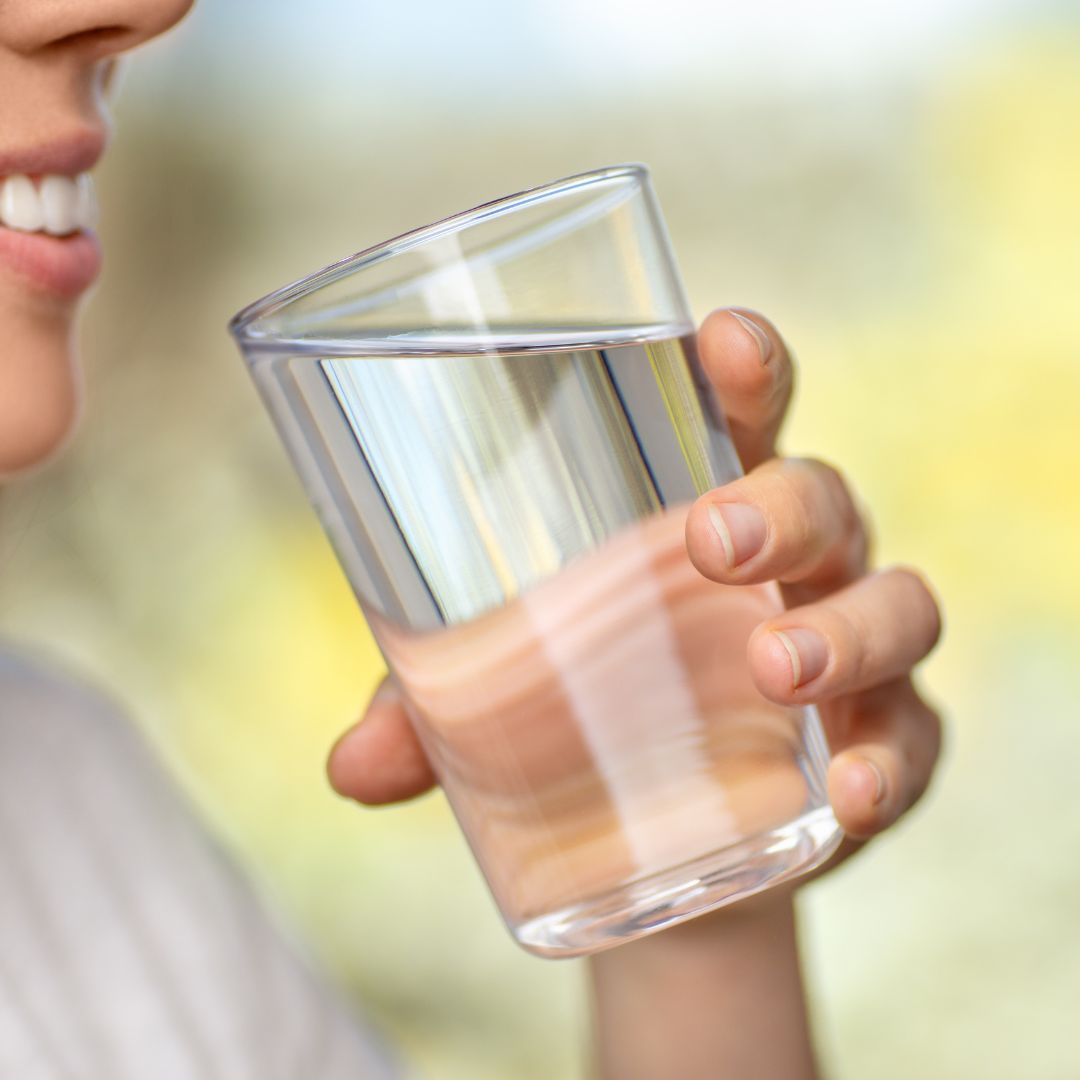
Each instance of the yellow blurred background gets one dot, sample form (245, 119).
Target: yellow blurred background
(898, 189)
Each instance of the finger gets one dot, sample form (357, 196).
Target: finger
(791, 520)
(380, 760)
(749, 367)
(884, 764)
(868, 633)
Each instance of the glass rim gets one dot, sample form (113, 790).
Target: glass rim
(241, 324)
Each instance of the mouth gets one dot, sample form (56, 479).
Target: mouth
(48, 210)
(47, 233)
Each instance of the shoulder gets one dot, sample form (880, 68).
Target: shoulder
(35, 680)
(43, 703)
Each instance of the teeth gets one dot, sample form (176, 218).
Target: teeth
(58, 195)
(86, 205)
(20, 206)
(57, 204)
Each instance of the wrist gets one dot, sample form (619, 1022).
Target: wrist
(722, 987)
(759, 928)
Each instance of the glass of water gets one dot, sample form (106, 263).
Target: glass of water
(501, 421)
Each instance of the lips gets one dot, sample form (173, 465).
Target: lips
(65, 266)
(47, 213)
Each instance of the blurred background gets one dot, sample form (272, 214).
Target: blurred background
(897, 186)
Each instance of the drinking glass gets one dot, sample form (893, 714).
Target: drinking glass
(502, 421)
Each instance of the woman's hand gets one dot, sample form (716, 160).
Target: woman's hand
(848, 640)
(722, 995)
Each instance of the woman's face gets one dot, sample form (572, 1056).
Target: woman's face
(56, 58)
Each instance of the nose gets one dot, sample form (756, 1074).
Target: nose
(96, 28)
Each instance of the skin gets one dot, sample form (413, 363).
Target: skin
(56, 61)
(721, 989)
(726, 988)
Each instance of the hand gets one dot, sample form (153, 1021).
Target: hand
(847, 642)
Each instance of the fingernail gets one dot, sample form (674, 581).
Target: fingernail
(741, 529)
(761, 339)
(879, 779)
(808, 652)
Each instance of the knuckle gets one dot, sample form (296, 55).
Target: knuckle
(825, 493)
(865, 540)
(849, 637)
(838, 494)
(831, 527)
(794, 494)
(925, 609)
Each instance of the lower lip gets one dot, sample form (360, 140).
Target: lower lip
(62, 265)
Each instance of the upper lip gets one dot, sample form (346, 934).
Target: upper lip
(68, 155)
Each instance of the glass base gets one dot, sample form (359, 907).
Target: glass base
(692, 889)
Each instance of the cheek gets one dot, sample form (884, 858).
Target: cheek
(39, 394)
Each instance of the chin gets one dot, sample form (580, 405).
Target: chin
(40, 400)
(31, 440)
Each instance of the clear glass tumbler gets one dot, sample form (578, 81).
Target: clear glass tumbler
(502, 421)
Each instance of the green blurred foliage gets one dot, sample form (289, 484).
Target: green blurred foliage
(917, 248)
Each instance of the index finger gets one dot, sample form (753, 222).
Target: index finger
(749, 367)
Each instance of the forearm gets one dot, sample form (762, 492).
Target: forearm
(718, 998)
